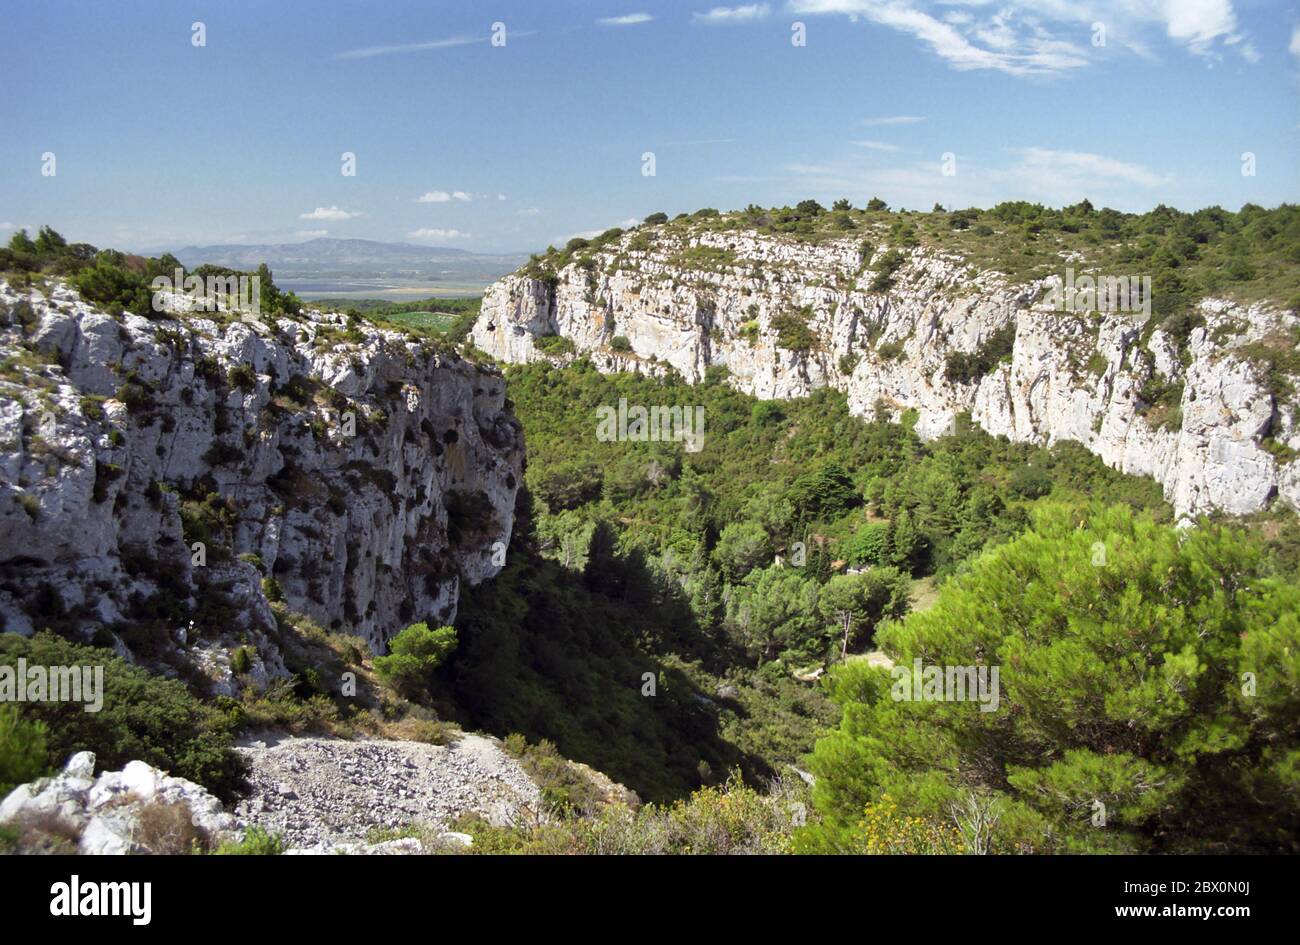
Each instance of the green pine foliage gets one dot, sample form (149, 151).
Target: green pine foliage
(414, 654)
(1148, 694)
(23, 753)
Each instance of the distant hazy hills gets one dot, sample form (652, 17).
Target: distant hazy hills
(361, 267)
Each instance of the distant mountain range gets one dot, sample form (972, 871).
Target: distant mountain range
(357, 267)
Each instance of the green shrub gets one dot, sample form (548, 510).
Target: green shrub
(243, 377)
(135, 397)
(555, 344)
(964, 368)
(890, 263)
(868, 545)
(793, 333)
(272, 590)
(890, 350)
(144, 717)
(256, 842)
(241, 660)
(23, 753)
(414, 654)
(92, 408)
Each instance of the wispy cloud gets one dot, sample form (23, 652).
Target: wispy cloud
(311, 234)
(627, 19)
(1043, 37)
(447, 43)
(1294, 48)
(434, 233)
(892, 120)
(1083, 168)
(1004, 49)
(747, 13)
(876, 145)
(696, 142)
(528, 212)
(328, 213)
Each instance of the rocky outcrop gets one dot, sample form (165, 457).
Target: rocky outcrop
(136, 810)
(159, 477)
(662, 298)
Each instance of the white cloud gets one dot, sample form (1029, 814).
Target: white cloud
(748, 13)
(1042, 37)
(433, 233)
(628, 19)
(528, 212)
(448, 43)
(876, 145)
(1082, 168)
(1294, 48)
(443, 196)
(501, 196)
(328, 213)
(893, 120)
(311, 234)
(1198, 22)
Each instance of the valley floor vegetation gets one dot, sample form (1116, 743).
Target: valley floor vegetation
(1122, 639)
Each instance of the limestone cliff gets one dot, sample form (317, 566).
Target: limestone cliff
(157, 474)
(785, 317)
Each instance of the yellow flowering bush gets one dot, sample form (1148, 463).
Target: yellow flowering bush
(883, 828)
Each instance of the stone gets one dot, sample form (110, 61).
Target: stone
(1069, 376)
(81, 765)
(368, 545)
(106, 836)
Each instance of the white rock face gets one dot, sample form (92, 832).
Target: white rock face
(1070, 376)
(366, 472)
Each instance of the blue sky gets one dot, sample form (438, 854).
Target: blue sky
(460, 142)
